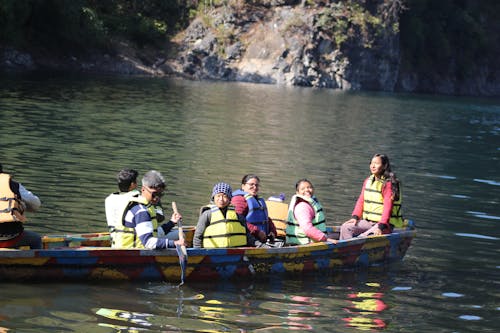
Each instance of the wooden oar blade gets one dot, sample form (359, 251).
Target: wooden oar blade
(181, 249)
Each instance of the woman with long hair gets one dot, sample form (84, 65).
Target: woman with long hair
(378, 208)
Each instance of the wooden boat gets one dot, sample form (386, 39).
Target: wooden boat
(89, 257)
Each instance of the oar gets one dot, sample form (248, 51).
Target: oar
(181, 249)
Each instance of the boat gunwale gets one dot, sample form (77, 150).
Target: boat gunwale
(100, 251)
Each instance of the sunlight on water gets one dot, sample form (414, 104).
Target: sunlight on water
(453, 295)
(483, 215)
(441, 176)
(401, 288)
(489, 182)
(460, 196)
(476, 236)
(470, 317)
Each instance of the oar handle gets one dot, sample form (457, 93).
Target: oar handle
(179, 223)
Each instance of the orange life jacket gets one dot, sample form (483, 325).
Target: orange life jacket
(11, 209)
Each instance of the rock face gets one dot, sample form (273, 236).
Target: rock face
(287, 44)
(324, 44)
(15, 59)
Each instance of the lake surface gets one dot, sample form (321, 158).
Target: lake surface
(65, 138)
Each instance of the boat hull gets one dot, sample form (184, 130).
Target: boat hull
(99, 263)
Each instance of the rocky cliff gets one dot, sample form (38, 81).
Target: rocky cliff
(326, 44)
(292, 44)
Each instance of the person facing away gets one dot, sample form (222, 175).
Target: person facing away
(219, 225)
(139, 227)
(306, 218)
(247, 202)
(378, 208)
(116, 202)
(15, 200)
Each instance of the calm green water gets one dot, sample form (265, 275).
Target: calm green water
(65, 138)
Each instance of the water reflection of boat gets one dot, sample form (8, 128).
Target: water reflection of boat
(365, 305)
(89, 257)
(138, 318)
(138, 321)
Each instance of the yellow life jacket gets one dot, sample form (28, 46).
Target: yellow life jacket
(224, 231)
(11, 208)
(373, 204)
(294, 233)
(125, 237)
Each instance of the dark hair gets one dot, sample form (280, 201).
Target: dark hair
(126, 177)
(1, 168)
(302, 181)
(246, 178)
(388, 175)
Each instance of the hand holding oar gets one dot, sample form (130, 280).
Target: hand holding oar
(181, 249)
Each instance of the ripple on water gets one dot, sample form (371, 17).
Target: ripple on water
(460, 196)
(401, 288)
(470, 317)
(452, 295)
(475, 236)
(440, 176)
(483, 215)
(486, 181)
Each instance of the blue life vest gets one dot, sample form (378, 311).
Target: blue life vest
(257, 210)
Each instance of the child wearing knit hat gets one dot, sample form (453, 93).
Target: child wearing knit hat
(219, 225)
(222, 188)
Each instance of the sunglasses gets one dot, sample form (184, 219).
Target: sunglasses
(155, 194)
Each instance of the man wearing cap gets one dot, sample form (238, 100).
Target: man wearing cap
(15, 200)
(219, 225)
(140, 226)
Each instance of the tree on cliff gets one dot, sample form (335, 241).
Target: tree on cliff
(75, 26)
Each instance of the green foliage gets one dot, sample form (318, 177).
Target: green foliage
(138, 28)
(79, 25)
(144, 22)
(348, 20)
(438, 36)
(51, 24)
(192, 13)
(13, 16)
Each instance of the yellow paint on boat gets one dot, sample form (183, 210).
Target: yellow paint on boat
(167, 259)
(32, 261)
(108, 274)
(293, 267)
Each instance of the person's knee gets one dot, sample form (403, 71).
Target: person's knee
(173, 235)
(37, 245)
(33, 239)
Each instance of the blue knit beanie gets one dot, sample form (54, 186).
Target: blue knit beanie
(222, 188)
